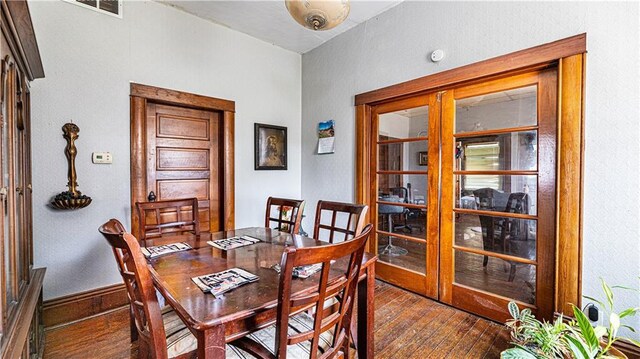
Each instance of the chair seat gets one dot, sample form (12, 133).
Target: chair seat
(180, 341)
(299, 323)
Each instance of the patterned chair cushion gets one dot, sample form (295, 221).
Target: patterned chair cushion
(299, 323)
(181, 341)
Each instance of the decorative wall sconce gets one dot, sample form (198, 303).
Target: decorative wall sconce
(71, 199)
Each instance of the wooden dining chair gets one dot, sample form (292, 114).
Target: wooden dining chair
(169, 216)
(289, 214)
(353, 223)
(161, 333)
(325, 333)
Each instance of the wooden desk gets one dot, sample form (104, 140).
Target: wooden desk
(252, 306)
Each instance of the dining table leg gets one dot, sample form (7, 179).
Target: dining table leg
(211, 343)
(366, 310)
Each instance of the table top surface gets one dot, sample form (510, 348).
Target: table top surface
(172, 274)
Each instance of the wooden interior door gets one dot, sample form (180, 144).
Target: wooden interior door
(404, 192)
(183, 158)
(499, 194)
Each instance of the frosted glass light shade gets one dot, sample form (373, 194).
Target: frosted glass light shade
(318, 14)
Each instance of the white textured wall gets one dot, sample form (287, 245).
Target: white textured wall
(393, 47)
(89, 60)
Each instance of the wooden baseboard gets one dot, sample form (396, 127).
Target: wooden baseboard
(630, 350)
(77, 306)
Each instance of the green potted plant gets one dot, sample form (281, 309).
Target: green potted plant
(576, 338)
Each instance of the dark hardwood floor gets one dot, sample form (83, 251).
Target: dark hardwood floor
(407, 326)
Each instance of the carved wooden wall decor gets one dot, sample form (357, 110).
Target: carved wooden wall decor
(71, 199)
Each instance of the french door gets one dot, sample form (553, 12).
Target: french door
(405, 188)
(463, 193)
(498, 194)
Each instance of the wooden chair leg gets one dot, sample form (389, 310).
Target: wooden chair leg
(512, 272)
(143, 350)
(354, 334)
(132, 325)
(346, 348)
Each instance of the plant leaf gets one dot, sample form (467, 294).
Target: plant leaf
(614, 320)
(608, 293)
(578, 348)
(514, 310)
(586, 329)
(623, 287)
(629, 312)
(628, 327)
(517, 353)
(600, 331)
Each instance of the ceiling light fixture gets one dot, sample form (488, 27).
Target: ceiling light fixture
(318, 14)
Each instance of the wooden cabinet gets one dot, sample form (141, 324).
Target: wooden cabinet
(21, 330)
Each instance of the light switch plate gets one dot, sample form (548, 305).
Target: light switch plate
(102, 158)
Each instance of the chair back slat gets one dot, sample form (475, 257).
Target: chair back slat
(140, 290)
(157, 218)
(354, 223)
(341, 287)
(290, 222)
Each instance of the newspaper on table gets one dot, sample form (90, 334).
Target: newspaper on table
(222, 282)
(302, 271)
(233, 242)
(155, 251)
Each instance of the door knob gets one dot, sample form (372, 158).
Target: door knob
(151, 197)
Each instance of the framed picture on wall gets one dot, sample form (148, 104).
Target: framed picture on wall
(270, 144)
(422, 158)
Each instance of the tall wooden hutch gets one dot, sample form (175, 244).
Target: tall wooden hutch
(21, 331)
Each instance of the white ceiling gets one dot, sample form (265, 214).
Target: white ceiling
(270, 21)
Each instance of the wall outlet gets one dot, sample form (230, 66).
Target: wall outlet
(102, 158)
(593, 313)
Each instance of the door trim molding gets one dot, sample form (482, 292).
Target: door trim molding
(140, 94)
(523, 59)
(569, 55)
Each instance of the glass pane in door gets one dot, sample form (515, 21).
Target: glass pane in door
(505, 109)
(506, 278)
(402, 188)
(495, 170)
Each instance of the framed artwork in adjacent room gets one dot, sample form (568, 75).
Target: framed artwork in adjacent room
(422, 158)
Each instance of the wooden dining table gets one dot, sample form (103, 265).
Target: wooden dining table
(217, 321)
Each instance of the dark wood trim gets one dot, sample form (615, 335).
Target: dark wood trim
(16, 19)
(228, 135)
(363, 113)
(140, 95)
(533, 56)
(17, 336)
(173, 97)
(138, 166)
(78, 306)
(569, 184)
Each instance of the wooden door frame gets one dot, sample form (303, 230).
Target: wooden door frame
(569, 56)
(140, 94)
